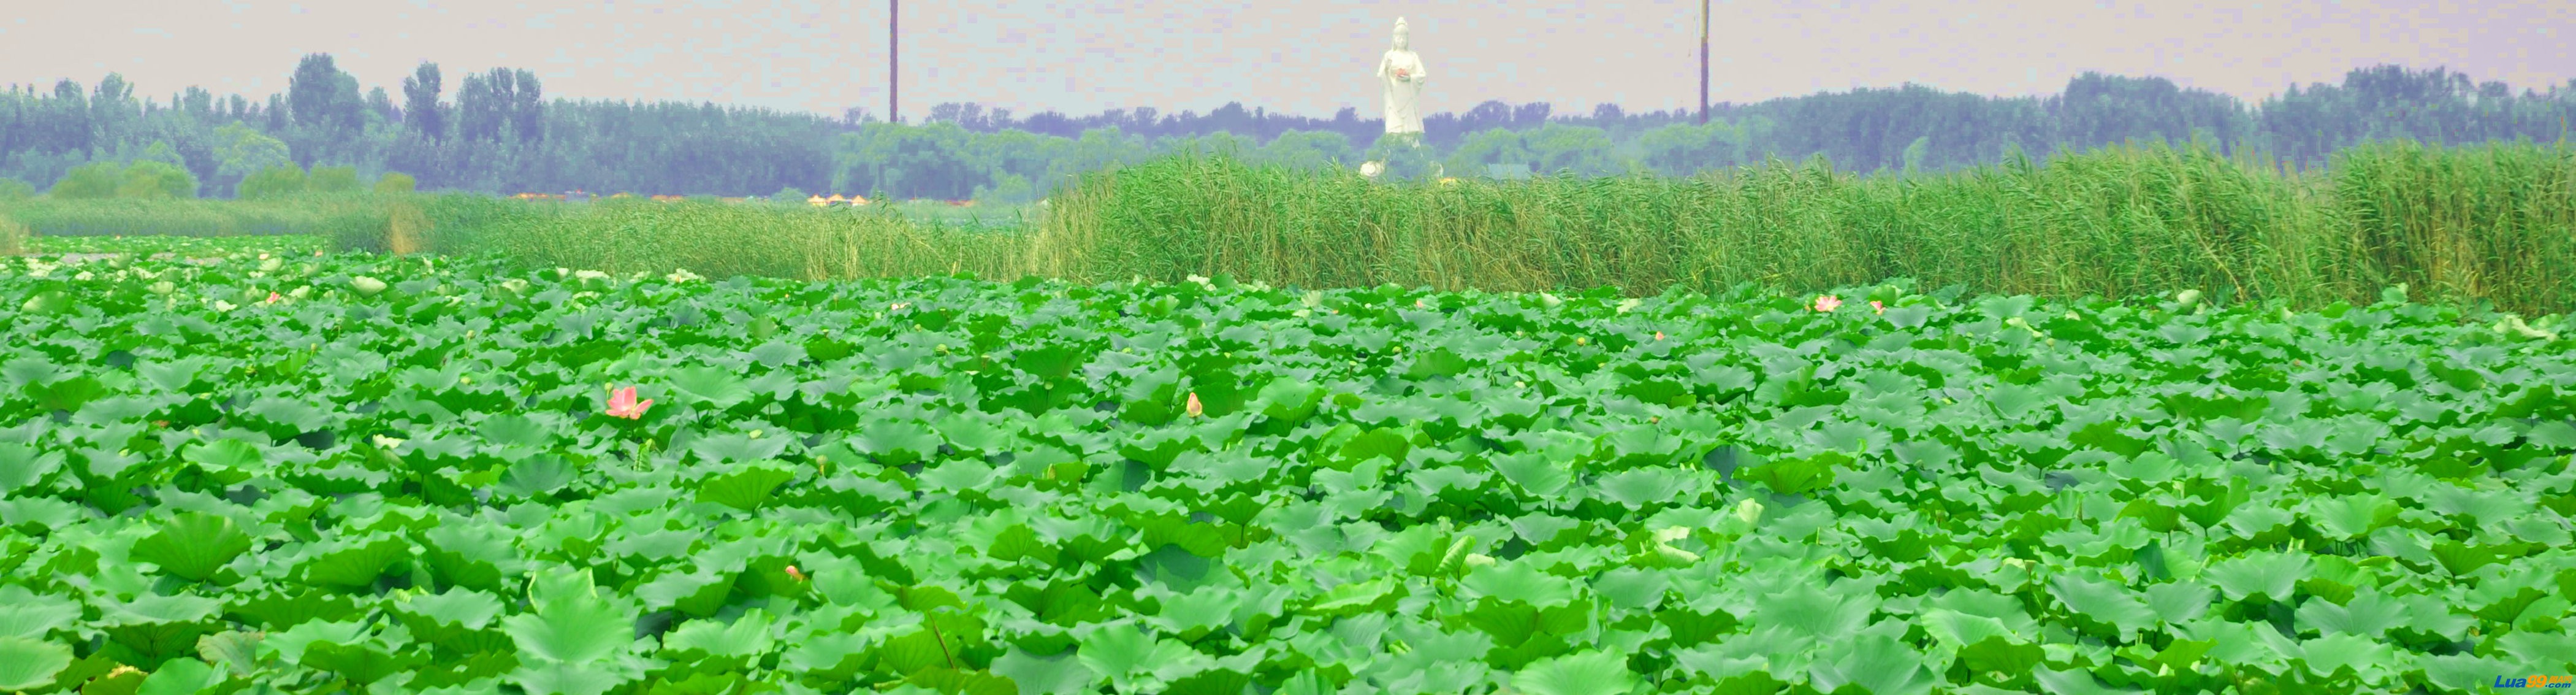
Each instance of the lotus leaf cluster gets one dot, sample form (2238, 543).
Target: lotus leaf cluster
(376, 474)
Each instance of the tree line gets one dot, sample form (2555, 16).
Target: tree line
(498, 133)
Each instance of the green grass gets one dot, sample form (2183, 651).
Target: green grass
(185, 247)
(321, 214)
(2490, 222)
(2493, 223)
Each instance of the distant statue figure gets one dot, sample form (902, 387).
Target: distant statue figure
(1402, 71)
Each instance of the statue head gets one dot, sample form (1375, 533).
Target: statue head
(1400, 33)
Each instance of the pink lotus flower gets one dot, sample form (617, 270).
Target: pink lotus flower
(621, 403)
(273, 297)
(1877, 307)
(1659, 335)
(1828, 302)
(791, 572)
(1194, 409)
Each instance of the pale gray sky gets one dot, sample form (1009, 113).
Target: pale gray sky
(1308, 57)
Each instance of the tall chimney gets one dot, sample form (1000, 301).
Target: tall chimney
(894, 81)
(1703, 62)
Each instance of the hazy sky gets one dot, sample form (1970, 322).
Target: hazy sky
(1307, 56)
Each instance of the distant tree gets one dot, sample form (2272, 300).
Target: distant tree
(395, 182)
(1310, 150)
(1684, 149)
(15, 189)
(339, 179)
(322, 97)
(1404, 160)
(1493, 146)
(156, 179)
(420, 102)
(198, 103)
(526, 107)
(160, 151)
(1914, 154)
(482, 106)
(790, 194)
(242, 152)
(113, 112)
(382, 106)
(89, 181)
(1583, 150)
(273, 183)
(275, 114)
(1007, 189)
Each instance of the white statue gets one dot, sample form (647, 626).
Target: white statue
(1402, 71)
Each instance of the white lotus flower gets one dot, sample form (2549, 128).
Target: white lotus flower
(1372, 169)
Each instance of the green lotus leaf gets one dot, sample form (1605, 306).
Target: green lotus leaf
(158, 625)
(571, 624)
(1522, 582)
(896, 442)
(1536, 474)
(193, 545)
(729, 645)
(1125, 654)
(745, 488)
(365, 661)
(22, 465)
(696, 593)
(1807, 610)
(2270, 574)
(291, 643)
(352, 562)
(550, 677)
(28, 664)
(720, 388)
(1877, 663)
(956, 682)
(2369, 614)
(2073, 682)
(1581, 673)
(514, 429)
(29, 615)
(537, 476)
(181, 677)
(2103, 602)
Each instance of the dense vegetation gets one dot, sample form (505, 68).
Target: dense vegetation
(498, 135)
(2489, 223)
(372, 474)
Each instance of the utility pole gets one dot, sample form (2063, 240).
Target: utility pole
(894, 80)
(1703, 62)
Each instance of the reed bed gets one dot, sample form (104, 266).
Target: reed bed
(2494, 223)
(328, 215)
(717, 239)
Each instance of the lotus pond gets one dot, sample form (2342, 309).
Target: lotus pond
(371, 474)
